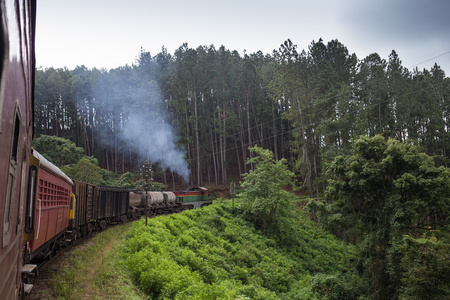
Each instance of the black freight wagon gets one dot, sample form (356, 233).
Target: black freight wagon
(112, 204)
(85, 216)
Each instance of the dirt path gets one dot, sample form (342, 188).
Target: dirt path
(89, 291)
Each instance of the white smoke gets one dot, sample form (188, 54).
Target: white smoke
(154, 139)
(144, 122)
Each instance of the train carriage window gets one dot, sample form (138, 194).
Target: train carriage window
(15, 142)
(11, 184)
(32, 188)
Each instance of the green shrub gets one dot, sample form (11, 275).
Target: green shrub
(210, 253)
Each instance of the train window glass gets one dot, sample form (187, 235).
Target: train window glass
(15, 141)
(32, 188)
(8, 211)
(11, 184)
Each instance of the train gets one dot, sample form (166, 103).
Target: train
(42, 210)
(65, 209)
(17, 71)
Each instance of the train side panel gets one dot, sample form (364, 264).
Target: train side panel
(113, 203)
(17, 23)
(53, 205)
(86, 212)
(196, 197)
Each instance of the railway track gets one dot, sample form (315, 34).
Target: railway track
(46, 269)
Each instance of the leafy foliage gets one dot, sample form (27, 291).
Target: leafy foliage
(304, 105)
(58, 150)
(127, 180)
(425, 266)
(387, 189)
(86, 170)
(263, 194)
(209, 253)
(150, 186)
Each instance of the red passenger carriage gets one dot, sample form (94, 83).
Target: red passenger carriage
(16, 113)
(53, 206)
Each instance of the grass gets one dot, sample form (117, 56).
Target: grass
(95, 270)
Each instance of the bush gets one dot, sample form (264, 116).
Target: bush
(209, 253)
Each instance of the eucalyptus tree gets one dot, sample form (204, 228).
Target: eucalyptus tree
(375, 108)
(437, 140)
(329, 110)
(220, 114)
(399, 93)
(186, 87)
(426, 120)
(291, 82)
(82, 87)
(50, 92)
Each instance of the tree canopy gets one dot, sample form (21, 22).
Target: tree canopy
(307, 109)
(263, 190)
(389, 189)
(85, 170)
(58, 150)
(303, 105)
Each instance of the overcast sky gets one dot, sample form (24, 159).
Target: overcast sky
(110, 33)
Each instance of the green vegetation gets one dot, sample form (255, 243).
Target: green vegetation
(86, 170)
(94, 271)
(59, 151)
(305, 103)
(310, 109)
(263, 197)
(211, 253)
(64, 154)
(394, 197)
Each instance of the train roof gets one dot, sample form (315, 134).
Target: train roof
(113, 188)
(47, 165)
(197, 188)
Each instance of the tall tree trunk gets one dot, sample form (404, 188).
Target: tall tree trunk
(305, 149)
(56, 120)
(91, 121)
(248, 126)
(224, 132)
(116, 145)
(188, 144)
(173, 182)
(197, 141)
(213, 151)
(242, 140)
(123, 161)
(107, 159)
(85, 137)
(237, 157)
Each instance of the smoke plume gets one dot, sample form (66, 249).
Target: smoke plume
(154, 139)
(141, 118)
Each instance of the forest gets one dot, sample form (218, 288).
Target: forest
(364, 142)
(195, 113)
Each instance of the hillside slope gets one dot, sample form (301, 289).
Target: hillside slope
(212, 253)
